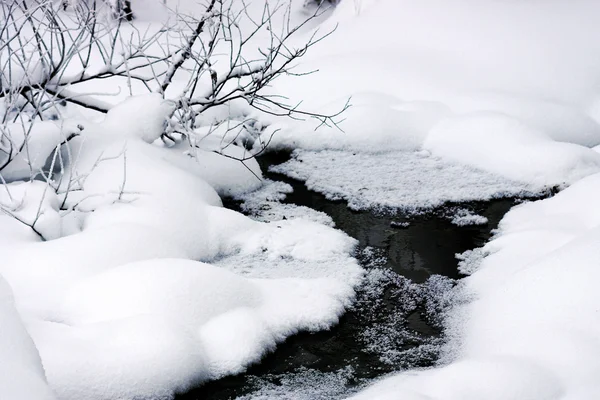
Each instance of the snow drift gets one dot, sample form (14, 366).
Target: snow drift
(507, 87)
(531, 331)
(114, 289)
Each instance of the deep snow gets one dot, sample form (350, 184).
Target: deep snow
(116, 299)
(531, 331)
(452, 100)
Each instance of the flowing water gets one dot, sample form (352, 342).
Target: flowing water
(396, 321)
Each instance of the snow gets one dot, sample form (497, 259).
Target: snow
(374, 122)
(135, 282)
(450, 77)
(197, 321)
(505, 146)
(266, 204)
(530, 330)
(117, 293)
(501, 378)
(141, 116)
(397, 181)
(21, 372)
(464, 217)
(157, 287)
(32, 204)
(27, 147)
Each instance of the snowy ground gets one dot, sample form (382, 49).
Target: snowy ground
(130, 280)
(124, 264)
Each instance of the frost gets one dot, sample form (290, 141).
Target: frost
(406, 181)
(470, 260)
(267, 204)
(464, 217)
(305, 384)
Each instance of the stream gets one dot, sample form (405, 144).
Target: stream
(395, 323)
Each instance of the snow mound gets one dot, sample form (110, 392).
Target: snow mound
(506, 147)
(172, 288)
(518, 339)
(115, 289)
(26, 148)
(145, 356)
(142, 116)
(501, 378)
(451, 77)
(32, 204)
(21, 372)
(169, 324)
(238, 172)
(373, 122)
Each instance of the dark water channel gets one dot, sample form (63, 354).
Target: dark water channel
(409, 250)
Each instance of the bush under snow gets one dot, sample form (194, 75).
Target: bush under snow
(114, 299)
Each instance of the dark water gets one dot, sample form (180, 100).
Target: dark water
(404, 258)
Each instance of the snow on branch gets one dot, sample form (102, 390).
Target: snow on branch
(52, 53)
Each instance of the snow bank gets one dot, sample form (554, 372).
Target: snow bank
(108, 290)
(21, 372)
(197, 321)
(143, 117)
(373, 122)
(451, 76)
(505, 146)
(27, 148)
(531, 331)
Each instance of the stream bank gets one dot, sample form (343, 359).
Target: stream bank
(395, 323)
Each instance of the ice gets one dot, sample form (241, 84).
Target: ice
(390, 181)
(266, 204)
(306, 384)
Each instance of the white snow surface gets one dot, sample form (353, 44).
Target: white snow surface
(21, 372)
(116, 289)
(509, 87)
(101, 299)
(464, 217)
(532, 330)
